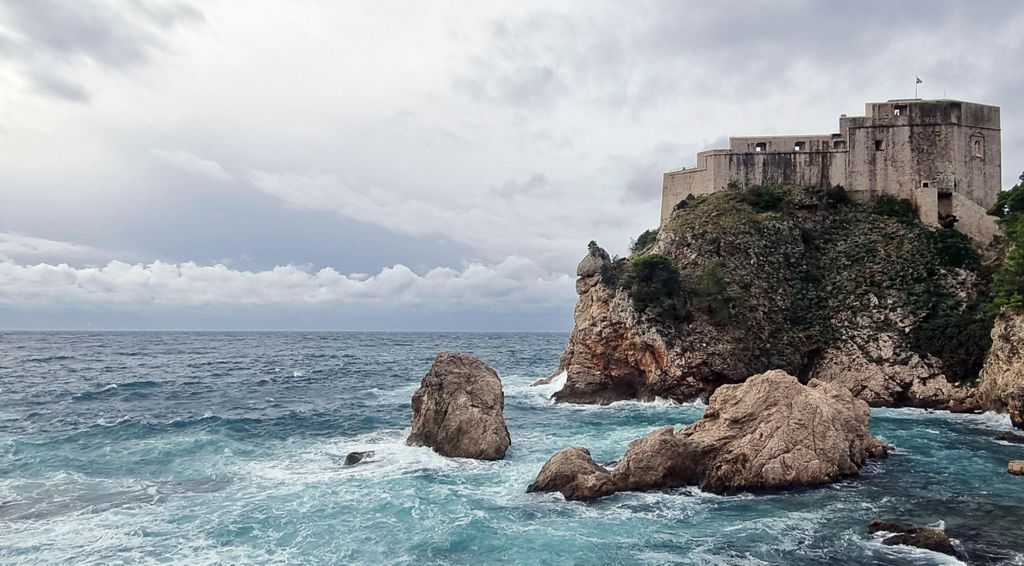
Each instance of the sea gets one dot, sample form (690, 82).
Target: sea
(229, 448)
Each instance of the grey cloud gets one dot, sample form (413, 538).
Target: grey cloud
(535, 183)
(56, 85)
(44, 34)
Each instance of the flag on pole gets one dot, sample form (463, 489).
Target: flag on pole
(919, 81)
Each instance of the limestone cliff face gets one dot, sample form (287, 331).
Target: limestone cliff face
(821, 289)
(1002, 378)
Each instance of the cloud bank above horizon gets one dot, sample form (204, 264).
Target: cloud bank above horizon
(407, 165)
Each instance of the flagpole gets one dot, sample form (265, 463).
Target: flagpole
(916, 82)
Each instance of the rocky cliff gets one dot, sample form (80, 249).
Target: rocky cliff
(748, 280)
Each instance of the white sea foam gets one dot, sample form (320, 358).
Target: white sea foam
(989, 419)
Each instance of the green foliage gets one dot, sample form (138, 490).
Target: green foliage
(953, 250)
(711, 293)
(960, 339)
(900, 209)
(1008, 281)
(762, 198)
(655, 287)
(613, 273)
(645, 240)
(837, 195)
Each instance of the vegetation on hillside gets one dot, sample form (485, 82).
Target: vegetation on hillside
(1008, 281)
(795, 269)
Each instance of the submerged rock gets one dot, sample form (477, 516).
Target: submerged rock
(1010, 437)
(928, 538)
(459, 409)
(354, 458)
(1016, 467)
(770, 432)
(1002, 378)
(573, 473)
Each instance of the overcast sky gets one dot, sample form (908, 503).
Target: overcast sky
(242, 164)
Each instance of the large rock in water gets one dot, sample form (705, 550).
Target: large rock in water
(770, 432)
(573, 472)
(459, 409)
(1002, 378)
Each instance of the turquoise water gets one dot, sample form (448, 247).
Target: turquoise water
(196, 448)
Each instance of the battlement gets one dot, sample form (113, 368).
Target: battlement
(943, 155)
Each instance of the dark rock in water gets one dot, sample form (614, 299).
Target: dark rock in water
(1011, 437)
(659, 460)
(459, 409)
(354, 458)
(573, 472)
(928, 538)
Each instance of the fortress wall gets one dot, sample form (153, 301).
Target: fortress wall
(974, 220)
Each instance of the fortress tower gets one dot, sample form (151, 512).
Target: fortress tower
(943, 155)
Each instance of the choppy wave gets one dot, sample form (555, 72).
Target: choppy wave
(211, 449)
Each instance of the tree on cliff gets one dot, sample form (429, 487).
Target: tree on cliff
(1008, 282)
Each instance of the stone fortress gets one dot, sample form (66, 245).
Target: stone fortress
(943, 155)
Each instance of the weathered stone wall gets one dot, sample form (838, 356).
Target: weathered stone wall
(943, 155)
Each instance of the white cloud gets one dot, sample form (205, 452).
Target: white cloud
(192, 163)
(511, 284)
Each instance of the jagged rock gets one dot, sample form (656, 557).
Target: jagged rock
(459, 409)
(354, 458)
(885, 373)
(573, 473)
(1002, 378)
(1016, 467)
(592, 263)
(1010, 437)
(928, 538)
(771, 432)
(659, 460)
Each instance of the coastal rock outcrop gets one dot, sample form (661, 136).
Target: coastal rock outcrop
(1002, 378)
(573, 473)
(459, 409)
(748, 280)
(768, 433)
(771, 432)
(928, 538)
(1016, 467)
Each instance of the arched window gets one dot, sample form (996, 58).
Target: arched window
(760, 147)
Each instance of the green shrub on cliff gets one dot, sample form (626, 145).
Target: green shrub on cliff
(899, 209)
(644, 241)
(655, 287)
(712, 293)
(1008, 281)
(762, 198)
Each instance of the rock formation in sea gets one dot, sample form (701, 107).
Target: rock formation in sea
(1002, 378)
(1016, 467)
(459, 409)
(748, 280)
(770, 432)
(354, 458)
(928, 538)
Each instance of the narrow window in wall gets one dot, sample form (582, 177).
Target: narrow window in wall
(899, 110)
(800, 146)
(978, 145)
(760, 147)
(878, 145)
(839, 144)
